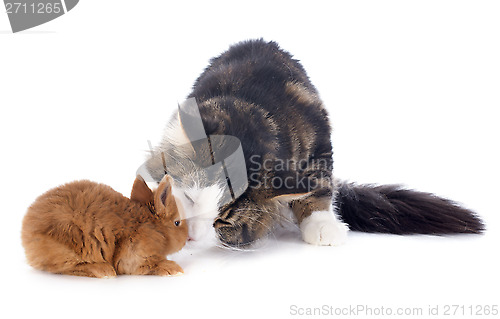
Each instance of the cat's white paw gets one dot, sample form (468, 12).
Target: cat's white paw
(322, 228)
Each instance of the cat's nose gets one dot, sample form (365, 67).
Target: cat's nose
(235, 236)
(190, 239)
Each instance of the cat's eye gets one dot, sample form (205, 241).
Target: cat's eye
(177, 223)
(189, 198)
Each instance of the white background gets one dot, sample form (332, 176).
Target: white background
(412, 89)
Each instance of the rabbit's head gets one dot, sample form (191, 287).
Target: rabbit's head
(163, 206)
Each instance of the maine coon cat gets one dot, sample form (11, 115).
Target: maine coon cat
(258, 93)
(88, 229)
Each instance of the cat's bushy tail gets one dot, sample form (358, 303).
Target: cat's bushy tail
(396, 210)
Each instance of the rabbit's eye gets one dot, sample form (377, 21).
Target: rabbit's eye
(177, 222)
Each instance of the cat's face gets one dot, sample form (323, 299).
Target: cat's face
(242, 223)
(200, 207)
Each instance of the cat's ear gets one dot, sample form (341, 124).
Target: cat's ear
(287, 198)
(141, 192)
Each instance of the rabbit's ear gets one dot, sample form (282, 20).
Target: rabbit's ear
(163, 196)
(141, 192)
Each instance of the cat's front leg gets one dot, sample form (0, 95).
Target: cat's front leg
(318, 222)
(324, 229)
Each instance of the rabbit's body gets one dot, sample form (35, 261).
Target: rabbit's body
(88, 229)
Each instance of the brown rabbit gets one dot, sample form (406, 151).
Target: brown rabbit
(88, 229)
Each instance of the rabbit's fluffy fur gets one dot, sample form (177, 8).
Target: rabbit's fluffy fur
(88, 229)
